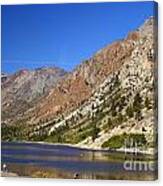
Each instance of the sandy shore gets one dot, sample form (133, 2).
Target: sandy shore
(8, 174)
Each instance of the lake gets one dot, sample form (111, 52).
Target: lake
(61, 161)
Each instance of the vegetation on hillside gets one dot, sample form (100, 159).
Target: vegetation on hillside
(119, 141)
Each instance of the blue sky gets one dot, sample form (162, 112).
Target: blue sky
(64, 35)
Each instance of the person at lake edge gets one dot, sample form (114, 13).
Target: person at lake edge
(4, 167)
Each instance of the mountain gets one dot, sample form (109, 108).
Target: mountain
(22, 89)
(78, 86)
(107, 99)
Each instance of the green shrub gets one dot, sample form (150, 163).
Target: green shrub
(14, 132)
(118, 141)
(129, 111)
(147, 103)
(110, 123)
(114, 142)
(137, 104)
(94, 132)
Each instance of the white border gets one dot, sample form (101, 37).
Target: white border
(52, 182)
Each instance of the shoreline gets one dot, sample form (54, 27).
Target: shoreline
(150, 151)
(9, 174)
(30, 171)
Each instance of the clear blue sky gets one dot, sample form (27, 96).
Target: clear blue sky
(64, 34)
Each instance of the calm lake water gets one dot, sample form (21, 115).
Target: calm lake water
(68, 161)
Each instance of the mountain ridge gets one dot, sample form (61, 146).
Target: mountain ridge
(28, 85)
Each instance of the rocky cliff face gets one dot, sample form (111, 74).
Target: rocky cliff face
(107, 98)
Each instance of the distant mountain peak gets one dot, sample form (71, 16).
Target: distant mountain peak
(24, 87)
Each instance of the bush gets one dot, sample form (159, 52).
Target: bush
(118, 141)
(147, 103)
(137, 104)
(120, 118)
(94, 132)
(114, 142)
(13, 132)
(110, 123)
(129, 111)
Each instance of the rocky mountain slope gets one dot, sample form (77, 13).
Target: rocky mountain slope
(107, 99)
(22, 89)
(78, 86)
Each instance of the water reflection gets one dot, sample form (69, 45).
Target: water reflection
(42, 160)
